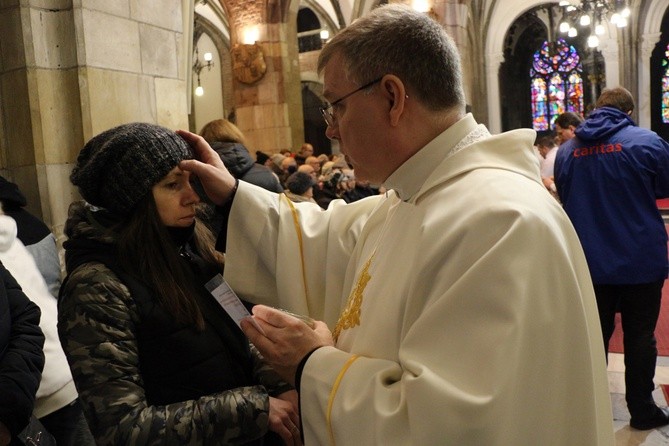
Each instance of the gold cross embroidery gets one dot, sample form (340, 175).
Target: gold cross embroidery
(350, 317)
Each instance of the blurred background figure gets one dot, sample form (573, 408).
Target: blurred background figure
(21, 358)
(57, 405)
(565, 125)
(309, 170)
(300, 187)
(315, 163)
(362, 189)
(548, 149)
(306, 150)
(34, 234)
(229, 142)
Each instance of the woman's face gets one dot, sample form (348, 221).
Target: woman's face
(175, 199)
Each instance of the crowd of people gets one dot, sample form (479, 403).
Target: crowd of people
(395, 290)
(330, 177)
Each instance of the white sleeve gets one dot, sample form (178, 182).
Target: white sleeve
(292, 255)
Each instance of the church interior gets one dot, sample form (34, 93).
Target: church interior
(70, 69)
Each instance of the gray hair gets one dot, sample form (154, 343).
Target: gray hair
(395, 39)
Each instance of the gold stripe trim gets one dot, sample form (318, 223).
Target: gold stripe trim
(298, 230)
(333, 393)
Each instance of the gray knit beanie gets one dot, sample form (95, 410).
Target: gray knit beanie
(118, 167)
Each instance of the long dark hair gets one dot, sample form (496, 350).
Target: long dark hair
(147, 251)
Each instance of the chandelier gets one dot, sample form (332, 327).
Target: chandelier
(591, 16)
(198, 66)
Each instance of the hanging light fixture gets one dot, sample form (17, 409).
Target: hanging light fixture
(198, 66)
(592, 15)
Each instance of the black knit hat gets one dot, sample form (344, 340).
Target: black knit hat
(118, 167)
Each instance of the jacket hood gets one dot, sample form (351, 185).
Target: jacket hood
(88, 234)
(602, 123)
(10, 195)
(8, 232)
(235, 157)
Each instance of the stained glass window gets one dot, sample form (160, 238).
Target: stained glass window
(557, 85)
(665, 87)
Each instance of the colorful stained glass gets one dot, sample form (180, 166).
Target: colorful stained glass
(539, 104)
(665, 87)
(556, 83)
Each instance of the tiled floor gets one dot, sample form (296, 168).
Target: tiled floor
(626, 436)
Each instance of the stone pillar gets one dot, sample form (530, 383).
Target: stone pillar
(648, 43)
(494, 61)
(70, 69)
(269, 109)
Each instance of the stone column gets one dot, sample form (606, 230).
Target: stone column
(647, 44)
(269, 109)
(494, 61)
(70, 69)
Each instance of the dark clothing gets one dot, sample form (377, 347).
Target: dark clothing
(358, 193)
(68, 426)
(21, 355)
(639, 307)
(608, 178)
(33, 233)
(240, 164)
(324, 195)
(175, 382)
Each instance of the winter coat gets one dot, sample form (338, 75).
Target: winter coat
(143, 378)
(56, 389)
(33, 233)
(240, 164)
(21, 356)
(608, 178)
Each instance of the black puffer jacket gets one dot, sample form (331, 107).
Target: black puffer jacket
(240, 164)
(21, 356)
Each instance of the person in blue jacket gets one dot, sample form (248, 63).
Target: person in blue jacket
(608, 178)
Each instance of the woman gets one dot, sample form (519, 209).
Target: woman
(229, 142)
(156, 360)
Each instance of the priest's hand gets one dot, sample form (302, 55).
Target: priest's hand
(216, 180)
(284, 339)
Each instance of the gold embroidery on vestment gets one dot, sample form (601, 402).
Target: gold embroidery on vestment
(350, 317)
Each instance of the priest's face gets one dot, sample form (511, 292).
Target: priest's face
(357, 121)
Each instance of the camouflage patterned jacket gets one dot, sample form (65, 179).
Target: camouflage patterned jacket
(99, 324)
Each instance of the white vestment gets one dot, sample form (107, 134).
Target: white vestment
(477, 318)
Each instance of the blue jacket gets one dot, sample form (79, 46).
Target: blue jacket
(608, 178)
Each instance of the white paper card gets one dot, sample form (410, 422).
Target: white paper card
(230, 302)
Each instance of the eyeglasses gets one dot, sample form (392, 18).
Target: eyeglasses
(327, 110)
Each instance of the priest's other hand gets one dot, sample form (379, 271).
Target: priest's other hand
(286, 339)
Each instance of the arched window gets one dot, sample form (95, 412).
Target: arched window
(665, 86)
(557, 85)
